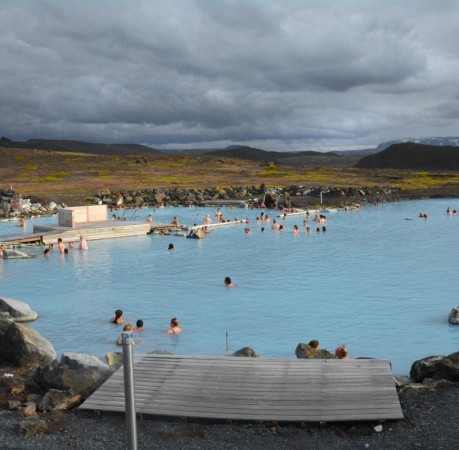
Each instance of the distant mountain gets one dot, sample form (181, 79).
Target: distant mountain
(360, 153)
(304, 158)
(413, 156)
(436, 141)
(80, 147)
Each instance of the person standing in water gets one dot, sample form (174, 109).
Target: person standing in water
(118, 317)
(83, 243)
(174, 329)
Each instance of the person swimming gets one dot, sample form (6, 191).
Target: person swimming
(174, 329)
(127, 327)
(228, 282)
(61, 245)
(118, 317)
(341, 352)
(138, 326)
(171, 247)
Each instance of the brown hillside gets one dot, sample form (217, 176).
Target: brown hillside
(72, 177)
(305, 158)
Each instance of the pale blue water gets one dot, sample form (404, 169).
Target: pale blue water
(374, 281)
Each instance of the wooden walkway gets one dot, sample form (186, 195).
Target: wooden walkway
(108, 229)
(256, 389)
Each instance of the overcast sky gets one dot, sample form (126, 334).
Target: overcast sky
(277, 75)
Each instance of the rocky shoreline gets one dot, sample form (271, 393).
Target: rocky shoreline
(38, 394)
(13, 205)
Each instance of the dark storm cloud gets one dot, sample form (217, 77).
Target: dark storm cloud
(282, 74)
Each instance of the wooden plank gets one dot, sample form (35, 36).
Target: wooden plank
(255, 389)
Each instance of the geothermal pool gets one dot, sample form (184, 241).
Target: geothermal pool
(375, 281)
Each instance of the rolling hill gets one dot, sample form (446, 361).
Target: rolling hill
(79, 147)
(414, 156)
(304, 158)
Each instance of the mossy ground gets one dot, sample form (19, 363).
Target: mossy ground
(72, 177)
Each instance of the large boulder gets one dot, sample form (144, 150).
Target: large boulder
(246, 352)
(81, 374)
(5, 322)
(160, 198)
(114, 360)
(436, 367)
(81, 360)
(305, 351)
(55, 400)
(448, 368)
(17, 311)
(453, 316)
(22, 345)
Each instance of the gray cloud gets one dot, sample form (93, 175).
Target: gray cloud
(282, 75)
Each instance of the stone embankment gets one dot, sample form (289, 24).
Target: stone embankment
(14, 205)
(289, 196)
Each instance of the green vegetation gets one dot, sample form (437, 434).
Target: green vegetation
(174, 180)
(48, 179)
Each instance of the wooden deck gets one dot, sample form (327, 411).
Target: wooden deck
(108, 229)
(256, 389)
(215, 224)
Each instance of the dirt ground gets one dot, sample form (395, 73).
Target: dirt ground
(430, 423)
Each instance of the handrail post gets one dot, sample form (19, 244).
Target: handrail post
(129, 392)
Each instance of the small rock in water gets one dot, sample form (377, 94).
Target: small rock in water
(378, 428)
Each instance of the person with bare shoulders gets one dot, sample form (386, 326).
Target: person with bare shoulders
(118, 317)
(127, 327)
(174, 329)
(61, 245)
(175, 221)
(314, 344)
(228, 282)
(149, 218)
(138, 326)
(341, 352)
(83, 243)
(296, 231)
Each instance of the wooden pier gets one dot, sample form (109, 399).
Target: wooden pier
(256, 389)
(108, 229)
